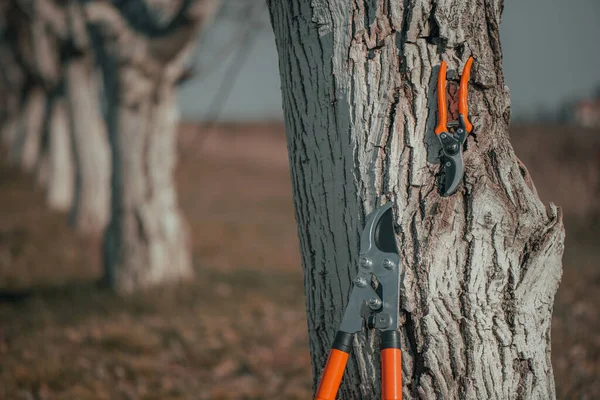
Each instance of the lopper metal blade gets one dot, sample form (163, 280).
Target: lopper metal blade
(379, 231)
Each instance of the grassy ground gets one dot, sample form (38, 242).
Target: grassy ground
(237, 331)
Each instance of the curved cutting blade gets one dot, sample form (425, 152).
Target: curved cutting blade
(454, 169)
(379, 231)
(379, 262)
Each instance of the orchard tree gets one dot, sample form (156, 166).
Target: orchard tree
(142, 47)
(90, 105)
(91, 204)
(32, 34)
(479, 268)
(53, 125)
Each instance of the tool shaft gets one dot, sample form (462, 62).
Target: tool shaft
(391, 366)
(332, 375)
(335, 366)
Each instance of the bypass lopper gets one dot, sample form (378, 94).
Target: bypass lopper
(452, 143)
(374, 300)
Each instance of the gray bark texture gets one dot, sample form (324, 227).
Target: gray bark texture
(143, 51)
(481, 267)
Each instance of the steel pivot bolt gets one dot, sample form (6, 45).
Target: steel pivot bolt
(443, 136)
(387, 264)
(374, 303)
(365, 262)
(459, 131)
(360, 281)
(448, 164)
(384, 322)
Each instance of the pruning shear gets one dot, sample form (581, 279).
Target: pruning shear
(375, 300)
(452, 143)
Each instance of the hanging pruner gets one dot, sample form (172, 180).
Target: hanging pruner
(452, 143)
(374, 302)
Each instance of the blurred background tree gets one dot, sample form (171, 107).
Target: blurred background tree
(63, 60)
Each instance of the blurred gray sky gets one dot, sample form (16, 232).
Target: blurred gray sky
(551, 54)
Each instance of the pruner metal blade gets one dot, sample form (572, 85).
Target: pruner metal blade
(453, 170)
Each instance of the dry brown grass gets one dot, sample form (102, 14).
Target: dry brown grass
(237, 331)
(565, 165)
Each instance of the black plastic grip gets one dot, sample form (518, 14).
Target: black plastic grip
(342, 342)
(390, 340)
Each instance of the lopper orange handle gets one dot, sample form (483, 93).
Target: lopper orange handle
(391, 374)
(463, 94)
(332, 376)
(391, 366)
(442, 125)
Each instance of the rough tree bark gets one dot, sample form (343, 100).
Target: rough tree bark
(480, 268)
(142, 47)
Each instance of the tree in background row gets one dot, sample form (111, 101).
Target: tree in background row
(89, 106)
(142, 51)
(56, 128)
(481, 267)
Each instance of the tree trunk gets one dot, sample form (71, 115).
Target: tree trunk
(481, 267)
(91, 204)
(25, 147)
(9, 131)
(61, 172)
(11, 85)
(33, 30)
(147, 239)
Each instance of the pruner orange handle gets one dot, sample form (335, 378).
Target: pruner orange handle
(391, 366)
(442, 125)
(335, 366)
(463, 94)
